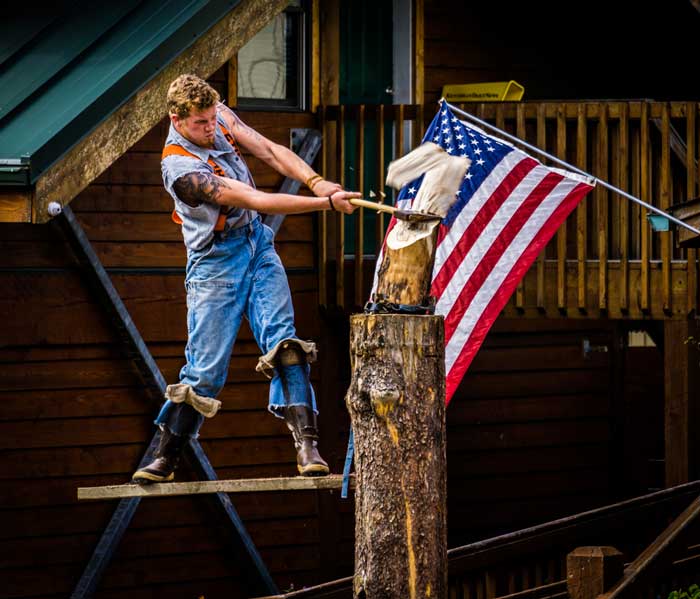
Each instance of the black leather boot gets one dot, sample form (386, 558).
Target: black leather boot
(302, 422)
(166, 459)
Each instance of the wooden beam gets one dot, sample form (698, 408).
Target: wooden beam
(419, 55)
(15, 206)
(246, 485)
(315, 55)
(93, 155)
(232, 82)
(681, 338)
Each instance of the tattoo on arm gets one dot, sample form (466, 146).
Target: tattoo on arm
(195, 188)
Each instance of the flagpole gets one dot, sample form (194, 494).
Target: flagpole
(519, 141)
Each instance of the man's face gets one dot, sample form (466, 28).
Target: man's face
(199, 127)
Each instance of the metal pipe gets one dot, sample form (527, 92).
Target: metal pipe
(570, 167)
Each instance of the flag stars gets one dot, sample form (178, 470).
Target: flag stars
(468, 176)
(462, 146)
(481, 162)
(449, 149)
(474, 142)
(411, 190)
(490, 149)
(477, 151)
(460, 136)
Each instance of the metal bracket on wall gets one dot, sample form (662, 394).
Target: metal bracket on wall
(306, 143)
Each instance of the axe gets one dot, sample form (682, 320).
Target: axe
(411, 216)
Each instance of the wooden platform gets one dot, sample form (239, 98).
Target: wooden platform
(246, 485)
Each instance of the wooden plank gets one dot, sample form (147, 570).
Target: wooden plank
(664, 203)
(561, 232)
(691, 190)
(379, 152)
(635, 188)
(623, 205)
(232, 82)
(296, 483)
(521, 133)
(323, 216)
(419, 52)
(542, 144)
(645, 191)
(360, 212)
(340, 217)
(84, 162)
(15, 206)
(315, 54)
(399, 118)
(602, 208)
(678, 402)
(581, 211)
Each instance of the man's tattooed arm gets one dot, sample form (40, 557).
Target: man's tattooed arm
(195, 188)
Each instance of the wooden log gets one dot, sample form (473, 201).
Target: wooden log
(405, 275)
(397, 406)
(246, 485)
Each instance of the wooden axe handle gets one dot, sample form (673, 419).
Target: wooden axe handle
(372, 205)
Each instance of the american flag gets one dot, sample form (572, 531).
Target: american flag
(508, 207)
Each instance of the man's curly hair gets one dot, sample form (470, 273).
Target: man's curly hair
(189, 92)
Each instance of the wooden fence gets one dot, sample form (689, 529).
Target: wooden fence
(605, 261)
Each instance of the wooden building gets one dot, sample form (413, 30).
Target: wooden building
(583, 394)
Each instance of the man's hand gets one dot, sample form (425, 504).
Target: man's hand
(325, 188)
(339, 201)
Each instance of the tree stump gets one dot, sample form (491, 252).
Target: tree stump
(396, 402)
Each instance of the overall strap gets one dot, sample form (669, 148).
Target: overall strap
(178, 150)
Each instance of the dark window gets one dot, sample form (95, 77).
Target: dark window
(272, 67)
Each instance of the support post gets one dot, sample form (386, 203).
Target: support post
(681, 369)
(397, 407)
(590, 571)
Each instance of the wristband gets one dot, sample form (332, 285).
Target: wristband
(330, 201)
(311, 181)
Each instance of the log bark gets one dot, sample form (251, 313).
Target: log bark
(396, 402)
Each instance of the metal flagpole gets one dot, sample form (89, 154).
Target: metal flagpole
(569, 166)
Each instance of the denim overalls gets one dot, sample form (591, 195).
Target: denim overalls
(229, 275)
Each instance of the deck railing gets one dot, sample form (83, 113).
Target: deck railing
(604, 260)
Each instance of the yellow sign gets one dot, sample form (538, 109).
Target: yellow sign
(497, 91)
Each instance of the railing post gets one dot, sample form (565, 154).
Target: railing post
(590, 571)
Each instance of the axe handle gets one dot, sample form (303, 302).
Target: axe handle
(373, 205)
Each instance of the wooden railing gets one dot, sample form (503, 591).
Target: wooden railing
(604, 261)
(531, 563)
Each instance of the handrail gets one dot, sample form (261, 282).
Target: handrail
(545, 535)
(542, 536)
(643, 567)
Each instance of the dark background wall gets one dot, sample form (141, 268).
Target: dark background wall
(565, 50)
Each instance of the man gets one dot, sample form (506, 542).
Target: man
(233, 271)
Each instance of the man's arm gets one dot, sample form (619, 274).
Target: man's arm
(282, 159)
(197, 187)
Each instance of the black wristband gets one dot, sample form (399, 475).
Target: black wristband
(330, 201)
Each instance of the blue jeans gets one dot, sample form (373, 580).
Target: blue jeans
(238, 274)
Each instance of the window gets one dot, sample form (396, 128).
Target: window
(272, 67)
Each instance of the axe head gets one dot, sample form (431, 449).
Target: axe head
(416, 216)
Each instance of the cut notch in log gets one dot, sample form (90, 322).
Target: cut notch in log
(246, 485)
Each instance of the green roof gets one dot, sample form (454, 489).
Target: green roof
(65, 69)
